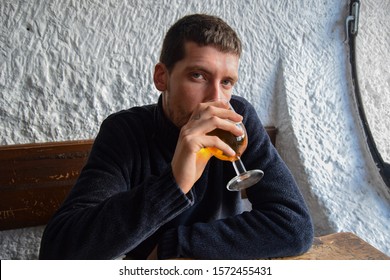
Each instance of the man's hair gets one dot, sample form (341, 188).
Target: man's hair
(202, 29)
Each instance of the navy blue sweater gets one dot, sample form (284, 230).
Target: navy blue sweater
(126, 200)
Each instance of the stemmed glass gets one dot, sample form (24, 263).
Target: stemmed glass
(244, 178)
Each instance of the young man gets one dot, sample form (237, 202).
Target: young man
(146, 188)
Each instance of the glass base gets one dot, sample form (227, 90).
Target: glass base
(245, 180)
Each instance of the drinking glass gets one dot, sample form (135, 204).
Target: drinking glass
(244, 178)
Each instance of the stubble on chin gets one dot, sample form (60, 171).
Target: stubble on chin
(178, 117)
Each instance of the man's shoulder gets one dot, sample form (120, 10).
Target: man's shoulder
(241, 105)
(137, 113)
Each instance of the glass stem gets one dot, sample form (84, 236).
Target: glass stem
(239, 166)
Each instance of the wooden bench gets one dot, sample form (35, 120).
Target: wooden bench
(35, 179)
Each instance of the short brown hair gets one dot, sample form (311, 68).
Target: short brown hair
(202, 29)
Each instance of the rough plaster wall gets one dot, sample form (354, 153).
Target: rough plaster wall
(66, 65)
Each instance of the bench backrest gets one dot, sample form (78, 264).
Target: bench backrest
(36, 178)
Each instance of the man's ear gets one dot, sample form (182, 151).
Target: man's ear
(160, 77)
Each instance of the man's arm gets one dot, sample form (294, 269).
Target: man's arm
(106, 215)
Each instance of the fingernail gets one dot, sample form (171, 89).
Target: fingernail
(233, 152)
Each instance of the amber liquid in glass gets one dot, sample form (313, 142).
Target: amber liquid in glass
(237, 143)
(244, 178)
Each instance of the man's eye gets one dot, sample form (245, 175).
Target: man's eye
(197, 76)
(227, 83)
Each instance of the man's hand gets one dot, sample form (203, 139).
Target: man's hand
(190, 156)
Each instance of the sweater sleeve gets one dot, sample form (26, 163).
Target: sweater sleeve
(278, 224)
(105, 216)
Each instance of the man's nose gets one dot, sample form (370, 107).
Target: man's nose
(215, 92)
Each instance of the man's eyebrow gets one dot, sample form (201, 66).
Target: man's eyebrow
(234, 78)
(197, 67)
(201, 68)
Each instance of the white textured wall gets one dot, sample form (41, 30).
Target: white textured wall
(373, 60)
(66, 65)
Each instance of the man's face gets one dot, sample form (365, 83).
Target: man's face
(202, 75)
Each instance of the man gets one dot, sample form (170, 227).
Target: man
(147, 188)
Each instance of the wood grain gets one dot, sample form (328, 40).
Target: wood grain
(341, 246)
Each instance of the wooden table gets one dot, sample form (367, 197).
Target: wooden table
(340, 246)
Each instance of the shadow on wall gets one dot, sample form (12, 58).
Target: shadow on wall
(287, 146)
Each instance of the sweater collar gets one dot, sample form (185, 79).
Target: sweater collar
(165, 128)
